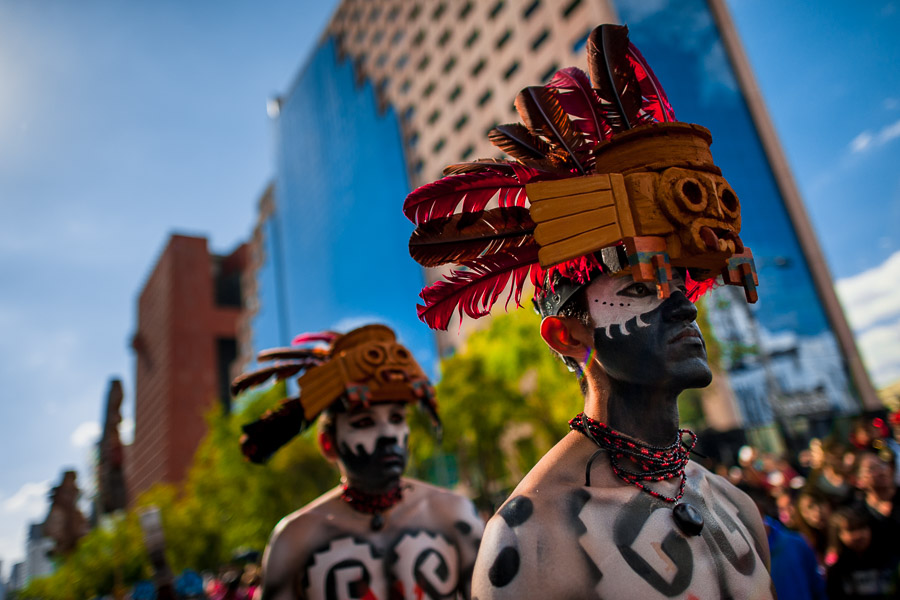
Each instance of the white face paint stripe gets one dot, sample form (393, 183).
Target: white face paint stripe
(608, 309)
(368, 437)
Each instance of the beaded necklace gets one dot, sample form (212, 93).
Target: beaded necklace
(371, 504)
(655, 464)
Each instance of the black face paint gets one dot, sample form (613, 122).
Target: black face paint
(660, 347)
(376, 472)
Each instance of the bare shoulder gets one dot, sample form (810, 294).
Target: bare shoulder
(454, 511)
(537, 526)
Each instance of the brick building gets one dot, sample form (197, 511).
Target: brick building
(188, 314)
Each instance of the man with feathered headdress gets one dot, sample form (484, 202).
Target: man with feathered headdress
(378, 535)
(620, 219)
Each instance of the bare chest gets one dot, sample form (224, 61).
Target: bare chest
(638, 550)
(405, 560)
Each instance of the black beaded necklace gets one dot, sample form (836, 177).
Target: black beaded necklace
(371, 504)
(655, 464)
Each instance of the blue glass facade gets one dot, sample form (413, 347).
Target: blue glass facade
(682, 43)
(335, 245)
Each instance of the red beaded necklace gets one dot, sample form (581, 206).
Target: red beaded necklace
(371, 504)
(656, 464)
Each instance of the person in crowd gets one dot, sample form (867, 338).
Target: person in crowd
(813, 511)
(379, 534)
(866, 568)
(878, 493)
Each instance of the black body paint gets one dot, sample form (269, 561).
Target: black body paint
(517, 511)
(505, 567)
(463, 527)
(376, 472)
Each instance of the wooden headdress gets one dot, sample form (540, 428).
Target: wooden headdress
(603, 180)
(362, 367)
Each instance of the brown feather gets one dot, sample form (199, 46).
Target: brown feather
(613, 76)
(482, 164)
(543, 115)
(463, 237)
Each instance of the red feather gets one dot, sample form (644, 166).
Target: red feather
(475, 290)
(655, 101)
(579, 99)
(442, 197)
(281, 370)
(309, 338)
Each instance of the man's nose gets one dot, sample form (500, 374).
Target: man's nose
(678, 308)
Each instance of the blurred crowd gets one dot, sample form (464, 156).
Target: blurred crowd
(832, 512)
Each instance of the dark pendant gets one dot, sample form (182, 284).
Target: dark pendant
(378, 522)
(688, 519)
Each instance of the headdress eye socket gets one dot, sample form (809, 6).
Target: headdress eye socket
(691, 193)
(374, 355)
(728, 200)
(400, 353)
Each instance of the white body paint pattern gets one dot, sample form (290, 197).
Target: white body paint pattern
(424, 564)
(368, 437)
(609, 310)
(664, 563)
(427, 566)
(340, 572)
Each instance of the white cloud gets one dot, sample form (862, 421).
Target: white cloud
(86, 434)
(872, 296)
(867, 139)
(30, 499)
(891, 103)
(871, 302)
(126, 430)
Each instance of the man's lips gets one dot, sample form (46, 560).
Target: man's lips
(688, 333)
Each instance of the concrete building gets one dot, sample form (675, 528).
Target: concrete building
(428, 80)
(185, 344)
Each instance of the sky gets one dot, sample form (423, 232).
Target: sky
(123, 122)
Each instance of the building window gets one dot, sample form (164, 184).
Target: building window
(360, 36)
(540, 39)
(408, 113)
(455, 93)
(448, 66)
(433, 117)
(420, 37)
(381, 60)
(413, 139)
(438, 11)
(501, 41)
(404, 87)
(423, 63)
(401, 62)
(511, 70)
(461, 122)
(465, 10)
(473, 37)
(467, 152)
(579, 44)
(496, 9)
(419, 166)
(376, 12)
(485, 97)
(529, 10)
(398, 36)
(414, 13)
(395, 12)
(439, 145)
(445, 37)
(478, 67)
(550, 72)
(428, 89)
(570, 8)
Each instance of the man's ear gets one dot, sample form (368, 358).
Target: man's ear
(565, 335)
(327, 445)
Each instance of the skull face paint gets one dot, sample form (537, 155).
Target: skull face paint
(643, 340)
(372, 445)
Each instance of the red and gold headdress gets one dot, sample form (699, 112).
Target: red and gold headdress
(364, 366)
(604, 180)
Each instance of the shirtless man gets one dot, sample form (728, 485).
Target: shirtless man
(614, 539)
(378, 535)
(621, 219)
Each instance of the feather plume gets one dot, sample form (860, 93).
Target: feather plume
(468, 236)
(293, 353)
(518, 142)
(442, 197)
(544, 115)
(655, 101)
(327, 337)
(475, 290)
(273, 430)
(281, 370)
(480, 165)
(579, 99)
(613, 76)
